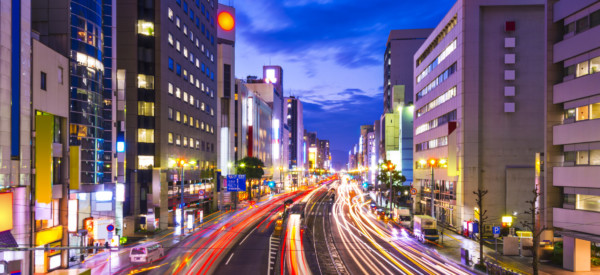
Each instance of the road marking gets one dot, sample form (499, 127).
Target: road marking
(229, 259)
(247, 236)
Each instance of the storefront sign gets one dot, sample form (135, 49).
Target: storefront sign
(72, 216)
(49, 235)
(6, 215)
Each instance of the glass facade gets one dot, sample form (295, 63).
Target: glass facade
(88, 107)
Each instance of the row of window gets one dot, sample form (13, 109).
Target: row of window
(583, 24)
(587, 112)
(190, 142)
(439, 121)
(190, 121)
(591, 66)
(182, 26)
(189, 54)
(434, 143)
(586, 157)
(438, 39)
(189, 98)
(447, 51)
(437, 101)
(437, 81)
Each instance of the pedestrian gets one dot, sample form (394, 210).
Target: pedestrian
(81, 258)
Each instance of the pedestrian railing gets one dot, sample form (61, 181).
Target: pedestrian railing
(496, 269)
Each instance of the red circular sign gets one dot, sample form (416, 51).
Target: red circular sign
(226, 21)
(110, 227)
(413, 191)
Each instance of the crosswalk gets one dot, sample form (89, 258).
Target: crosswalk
(274, 243)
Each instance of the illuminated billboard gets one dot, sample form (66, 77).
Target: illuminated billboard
(6, 215)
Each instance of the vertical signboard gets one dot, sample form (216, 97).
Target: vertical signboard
(74, 172)
(43, 158)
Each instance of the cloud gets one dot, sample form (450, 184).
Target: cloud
(341, 124)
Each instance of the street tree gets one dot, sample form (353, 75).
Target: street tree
(397, 182)
(534, 226)
(480, 193)
(252, 167)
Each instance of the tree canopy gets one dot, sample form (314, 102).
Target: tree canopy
(252, 167)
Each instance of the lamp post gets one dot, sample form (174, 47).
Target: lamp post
(182, 163)
(281, 177)
(432, 163)
(389, 166)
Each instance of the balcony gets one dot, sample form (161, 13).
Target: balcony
(578, 132)
(577, 88)
(578, 44)
(577, 220)
(577, 176)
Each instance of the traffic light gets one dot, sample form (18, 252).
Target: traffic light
(507, 221)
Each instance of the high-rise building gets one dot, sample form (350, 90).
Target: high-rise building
(84, 31)
(323, 156)
(15, 134)
(168, 52)
(398, 64)
(570, 191)
(477, 89)
(295, 123)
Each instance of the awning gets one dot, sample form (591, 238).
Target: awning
(7, 239)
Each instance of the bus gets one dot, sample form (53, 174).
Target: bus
(147, 252)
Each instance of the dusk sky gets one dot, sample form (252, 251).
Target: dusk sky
(331, 52)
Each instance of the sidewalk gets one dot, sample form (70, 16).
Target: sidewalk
(453, 242)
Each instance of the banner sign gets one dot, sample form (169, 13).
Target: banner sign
(236, 183)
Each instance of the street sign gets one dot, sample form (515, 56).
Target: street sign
(236, 183)
(201, 193)
(110, 228)
(413, 191)
(496, 231)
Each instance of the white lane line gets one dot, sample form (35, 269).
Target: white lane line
(247, 236)
(229, 259)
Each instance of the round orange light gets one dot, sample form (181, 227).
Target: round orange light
(226, 21)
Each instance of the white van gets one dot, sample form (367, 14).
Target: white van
(146, 252)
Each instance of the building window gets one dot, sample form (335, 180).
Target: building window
(145, 108)
(185, 97)
(583, 113)
(587, 203)
(185, 120)
(170, 138)
(43, 81)
(170, 88)
(145, 162)
(582, 24)
(178, 71)
(145, 28)
(583, 68)
(171, 64)
(185, 52)
(145, 81)
(60, 75)
(197, 124)
(178, 140)
(191, 121)
(170, 39)
(595, 19)
(177, 22)
(192, 100)
(185, 141)
(146, 135)
(177, 116)
(170, 113)
(185, 7)
(170, 13)
(177, 92)
(185, 29)
(185, 74)
(177, 45)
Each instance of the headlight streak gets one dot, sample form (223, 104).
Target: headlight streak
(416, 256)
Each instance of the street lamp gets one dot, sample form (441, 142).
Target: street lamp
(389, 166)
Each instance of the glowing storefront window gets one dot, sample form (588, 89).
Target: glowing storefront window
(588, 203)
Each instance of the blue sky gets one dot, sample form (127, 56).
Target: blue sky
(331, 52)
